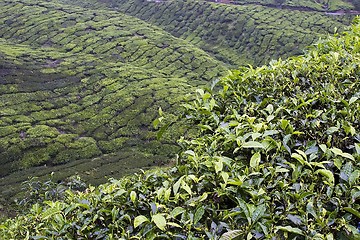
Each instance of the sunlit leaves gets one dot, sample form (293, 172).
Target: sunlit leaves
(255, 160)
(159, 221)
(139, 220)
(290, 230)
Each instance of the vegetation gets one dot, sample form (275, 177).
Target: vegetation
(81, 81)
(317, 5)
(277, 157)
(237, 34)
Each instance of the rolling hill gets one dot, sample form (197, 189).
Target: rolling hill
(81, 82)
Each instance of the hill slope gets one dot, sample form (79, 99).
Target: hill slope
(79, 83)
(317, 5)
(236, 34)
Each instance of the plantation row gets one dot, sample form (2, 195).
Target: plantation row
(236, 35)
(80, 83)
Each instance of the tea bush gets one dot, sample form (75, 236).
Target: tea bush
(277, 156)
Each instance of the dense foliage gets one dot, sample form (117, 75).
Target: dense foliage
(81, 81)
(236, 34)
(78, 83)
(277, 157)
(320, 5)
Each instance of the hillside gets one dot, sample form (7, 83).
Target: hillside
(277, 156)
(78, 83)
(82, 81)
(236, 34)
(316, 5)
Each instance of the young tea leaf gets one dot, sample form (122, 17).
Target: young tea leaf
(255, 160)
(290, 229)
(258, 213)
(328, 174)
(352, 211)
(231, 235)
(252, 144)
(198, 214)
(159, 221)
(177, 211)
(139, 220)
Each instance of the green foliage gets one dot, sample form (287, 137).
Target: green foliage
(315, 5)
(36, 191)
(78, 83)
(276, 157)
(250, 32)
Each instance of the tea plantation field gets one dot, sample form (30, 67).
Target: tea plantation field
(236, 34)
(82, 82)
(78, 83)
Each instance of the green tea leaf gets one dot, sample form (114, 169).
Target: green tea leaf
(133, 196)
(176, 185)
(159, 221)
(352, 211)
(50, 212)
(352, 100)
(225, 176)
(298, 157)
(139, 220)
(252, 144)
(336, 151)
(354, 176)
(218, 165)
(348, 155)
(231, 235)
(255, 160)
(357, 148)
(173, 224)
(258, 213)
(186, 187)
(198, 214)
(290, 229)
(328, 174)
(331, 130)
(177, 211)
(323, 147)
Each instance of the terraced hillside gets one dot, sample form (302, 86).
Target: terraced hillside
(84, 80)
(78, 83)
(236, 35)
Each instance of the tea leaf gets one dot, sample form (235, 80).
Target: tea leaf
(328, 174)
(290, 229)
(252, 144)
(231, 235)
(159, 221)
(255, 160)
(139, 220)
(352, 211)
(176, 211)
(199, 214)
